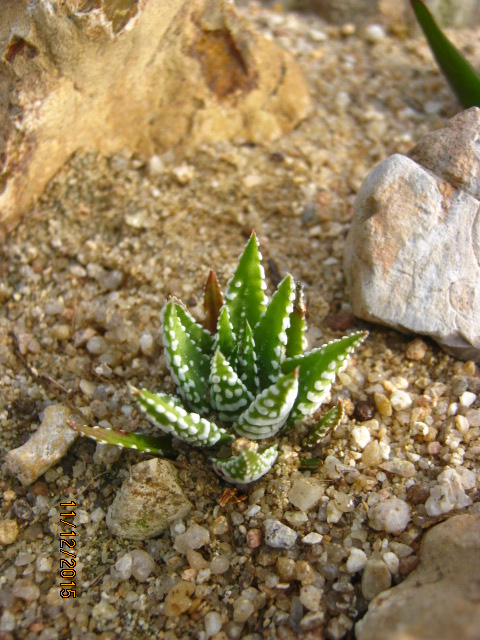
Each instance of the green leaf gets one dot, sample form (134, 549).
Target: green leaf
(328, 422)
(270, 336)
(224, 339)
(309, 464)
(245, 297)
(158, 445)
(166, 412)
(460, 74)
(187, 347)
(296, 340)
(228, 394)
(317, 371)
(212, 302)
(247, 362)
(269, 410)
(248, 466)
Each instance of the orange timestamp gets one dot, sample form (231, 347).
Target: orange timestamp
(67, 543)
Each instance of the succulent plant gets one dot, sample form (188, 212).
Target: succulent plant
(246, 364)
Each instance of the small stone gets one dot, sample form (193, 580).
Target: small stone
(278, 535)
(305, 493)
(400, 400)
(447, 494)
(123, 567)
(242, 609)
(304, 572)
(148, 501)
(196, 560)
(142, 564)
(467, 398)
(147, 343)
(375, 579)
(391, 561)
(399, 467)
(418, 494)
(219, 565)
(220, 526)
(363, 411)
(46, 447)
(97, 345)
(212, 622)
(361, 436)
(374, 33)
(254, 538)
(391, 515)
(25, 590)
(383, 404)
(193, 538)
(312, 538)
(357, 560)
(178, 600)
(416, 349)
(311, 597)
(183, 174)
(372, 455)
(286, 569)
(8, 531)
(22, 511)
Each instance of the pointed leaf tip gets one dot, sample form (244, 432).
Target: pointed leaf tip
(212, 302)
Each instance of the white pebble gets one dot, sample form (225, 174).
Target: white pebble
(193, 538)
(242, 609)
(448, 494)
(356, 560)
(467, 398)
(278, 535)
(400, 400)
(142, 564)
(212, 622)
(390, 515)
(123, 567)
(361, 436)
(310, 597)
(374, 33)
(391, 561)
(312, 538)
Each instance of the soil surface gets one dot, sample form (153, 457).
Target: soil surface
(83, 282)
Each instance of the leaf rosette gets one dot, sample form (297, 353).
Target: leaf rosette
(247, 365)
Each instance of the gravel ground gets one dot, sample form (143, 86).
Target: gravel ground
(82, 285)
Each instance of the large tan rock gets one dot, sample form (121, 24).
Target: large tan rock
(439, 599)
(138, 75)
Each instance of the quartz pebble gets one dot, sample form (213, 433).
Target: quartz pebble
(361, 436)
(278, 535)
(242, 609)
(375, 579)
(310, 597)
(219, 565)
(142, 564)
(390, 515)
(357, 560)
(193, 538)
(8, 531)
(212, 622)
(449, 492)
(48, 444)
(305, 493)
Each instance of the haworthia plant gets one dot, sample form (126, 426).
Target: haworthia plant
(248, 365)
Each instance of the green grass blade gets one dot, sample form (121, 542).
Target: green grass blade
(460, 74)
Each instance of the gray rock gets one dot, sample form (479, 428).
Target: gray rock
(278, 535)
(412, 255)
(439, 599)
(375, 579)
(148, 502)
(46, 447)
